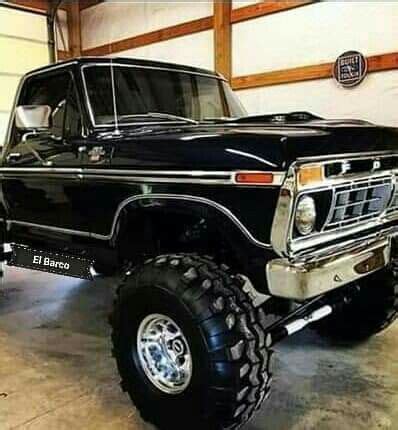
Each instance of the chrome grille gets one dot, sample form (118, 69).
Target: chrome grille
(393, 207)
(358, 201)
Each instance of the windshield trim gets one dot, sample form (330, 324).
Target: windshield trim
(134, 66)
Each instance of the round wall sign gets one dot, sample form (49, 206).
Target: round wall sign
(350, 68)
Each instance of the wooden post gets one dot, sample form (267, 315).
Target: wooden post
(73, 16)
(223, 37)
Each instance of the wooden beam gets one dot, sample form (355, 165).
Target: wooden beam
(223, 37)
(376, 63)
(266, 8)
(167, 33)
(383, 62)
(62, 55)
(35, 5)
(74, 33)
(285, 76)
(41, 5)
(195, 26)
(85, 4)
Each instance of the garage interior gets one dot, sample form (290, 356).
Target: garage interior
(56, 370)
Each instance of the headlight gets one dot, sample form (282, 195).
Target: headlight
(305, 215)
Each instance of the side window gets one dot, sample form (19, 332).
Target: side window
(210, 99)
(58, 92)
(52, 91)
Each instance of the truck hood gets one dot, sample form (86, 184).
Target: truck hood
(258, 145)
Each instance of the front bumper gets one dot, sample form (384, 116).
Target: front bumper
(301, 280)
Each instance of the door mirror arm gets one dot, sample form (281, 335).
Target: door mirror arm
(30, 134)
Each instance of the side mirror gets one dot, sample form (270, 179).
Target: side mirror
(33, 118)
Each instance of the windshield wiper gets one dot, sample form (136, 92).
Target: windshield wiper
(159, 115)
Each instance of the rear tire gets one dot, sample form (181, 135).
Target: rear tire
(373, 308)
(225, 335)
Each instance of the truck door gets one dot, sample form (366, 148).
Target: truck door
(41, 182)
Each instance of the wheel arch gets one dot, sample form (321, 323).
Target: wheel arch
(185, 208)
(194, 204)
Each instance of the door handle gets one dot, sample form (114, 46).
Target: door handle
(13, 157)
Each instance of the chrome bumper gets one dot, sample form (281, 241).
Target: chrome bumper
(303, 280)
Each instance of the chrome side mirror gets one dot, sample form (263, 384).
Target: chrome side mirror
(33, 118)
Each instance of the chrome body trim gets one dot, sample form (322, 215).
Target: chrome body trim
(159, 180)
(139, 176)
(48, 227)
(132, 199)
(51, 68)
(283, 217)
(334, 157)
(40, 170)
(300, 281)
(195, 199)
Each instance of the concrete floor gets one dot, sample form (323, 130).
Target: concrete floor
(56, 371)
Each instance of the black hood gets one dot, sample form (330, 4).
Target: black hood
(254, 145)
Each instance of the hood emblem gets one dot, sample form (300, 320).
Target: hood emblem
(345, 167)
(376, 165)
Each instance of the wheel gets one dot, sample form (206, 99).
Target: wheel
(372, 309)
(189, 346)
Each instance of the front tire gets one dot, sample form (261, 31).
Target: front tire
(373, 308)
(218, 330)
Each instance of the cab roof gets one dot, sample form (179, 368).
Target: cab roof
(127, 61)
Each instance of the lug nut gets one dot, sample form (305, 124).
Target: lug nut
(230, 321)
(219, 304)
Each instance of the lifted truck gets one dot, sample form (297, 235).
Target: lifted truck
(218, 220)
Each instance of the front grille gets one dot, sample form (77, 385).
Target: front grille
(393, 206)
(359, 201)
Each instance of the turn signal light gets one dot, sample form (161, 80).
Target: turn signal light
(254, 178)
(310, 175)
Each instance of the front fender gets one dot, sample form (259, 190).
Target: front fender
(199, 206)
(250, 252)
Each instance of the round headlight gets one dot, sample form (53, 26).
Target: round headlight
(305, 215)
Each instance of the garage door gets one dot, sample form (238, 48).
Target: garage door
(23, 47)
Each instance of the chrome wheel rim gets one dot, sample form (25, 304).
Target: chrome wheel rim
(164, 354)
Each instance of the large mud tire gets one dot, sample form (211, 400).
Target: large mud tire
(231, 363)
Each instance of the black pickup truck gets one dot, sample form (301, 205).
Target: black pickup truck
(230, 231)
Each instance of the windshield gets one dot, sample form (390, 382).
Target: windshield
(141, 91)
